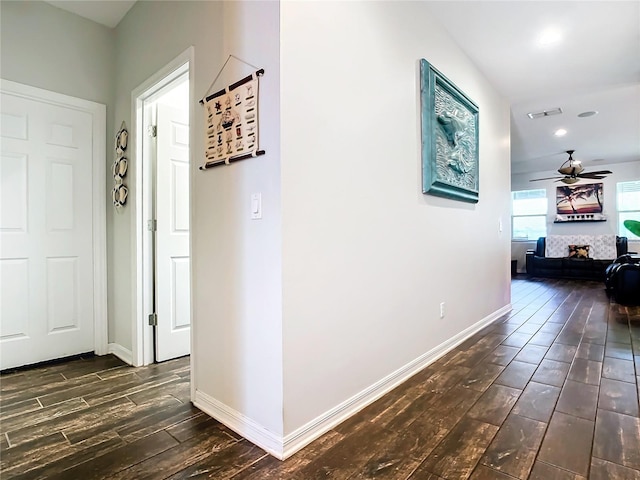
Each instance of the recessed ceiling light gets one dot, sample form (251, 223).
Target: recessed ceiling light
(550, 36)
(561, 132)
(590, 113)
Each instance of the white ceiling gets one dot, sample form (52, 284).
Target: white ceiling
(105, 12)
(596, 66)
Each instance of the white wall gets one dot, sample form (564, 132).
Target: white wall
(622, 172)
(235, 261)
(49, 48)
(367, 258)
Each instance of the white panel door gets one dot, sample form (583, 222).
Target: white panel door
(46, 224)
(173, 291)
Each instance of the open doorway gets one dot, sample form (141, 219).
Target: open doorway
(163, 324)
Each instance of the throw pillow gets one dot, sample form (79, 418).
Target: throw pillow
(578, 251)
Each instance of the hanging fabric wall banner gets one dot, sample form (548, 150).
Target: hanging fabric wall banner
(231, 119)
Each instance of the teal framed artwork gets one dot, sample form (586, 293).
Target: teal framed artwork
(449, 138)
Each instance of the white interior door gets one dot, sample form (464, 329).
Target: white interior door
(173, 297)
(46, 225)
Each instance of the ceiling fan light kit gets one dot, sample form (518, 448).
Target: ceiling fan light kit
(573, 172)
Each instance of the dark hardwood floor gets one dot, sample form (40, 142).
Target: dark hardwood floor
(548, 392)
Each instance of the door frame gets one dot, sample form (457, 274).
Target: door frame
(142, 335)
(98, 114)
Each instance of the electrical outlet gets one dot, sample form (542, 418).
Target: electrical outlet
(442, 310)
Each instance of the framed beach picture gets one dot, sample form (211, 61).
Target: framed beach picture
(449, 128)
(579, 203)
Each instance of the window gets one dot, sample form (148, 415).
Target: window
(529, 214)
(628, 206)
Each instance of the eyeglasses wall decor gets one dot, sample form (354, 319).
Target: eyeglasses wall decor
(120, 191)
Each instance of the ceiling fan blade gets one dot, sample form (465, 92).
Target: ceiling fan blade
(592, 176)
(548, 178)
(599, 172)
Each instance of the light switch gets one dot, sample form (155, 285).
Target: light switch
(256, 206)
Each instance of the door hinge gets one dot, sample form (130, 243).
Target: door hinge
(153, 131)
(152, 225)
(153, 319)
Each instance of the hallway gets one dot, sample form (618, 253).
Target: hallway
(549, 391)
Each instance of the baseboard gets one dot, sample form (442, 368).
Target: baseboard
(241, 424)
(325, 422)
(121, 352)
(283, 448)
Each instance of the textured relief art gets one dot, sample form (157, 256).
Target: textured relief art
(449, 138)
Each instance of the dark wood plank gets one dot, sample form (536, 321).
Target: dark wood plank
(447, 409)
(126, 417)
(84, 390)
(502, 355)
(196, 425)
(481, 377)
(458, 454)
(57, 384)
(105, 466)
(223, 464)
(176, 386)
(516, 375)
(590, 351)
(617, 439)
(403, 451)
(618, 369)
(19, 459)
(18, 408)
(537, 402)
(494, 405)
(143, 425)
(349, 456)
(483, 472)
(38, 462)
(396, 437)
(551, 372)
(209, 441)
(544, 471)
(517, 340)
(585, 371)
(567, 443)
(578, 399)
(603, 470)
(561, 353)
(543, 339)
(75, 420)
(134, 388)
(553, 328)
(515, 446)
(618, 333)
(28, 419)
(618, 350)
(531, 354)
(270, 468)
(19, 382)
(528, 328)
(618, 397)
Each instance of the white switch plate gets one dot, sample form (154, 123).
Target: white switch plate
(256, 206)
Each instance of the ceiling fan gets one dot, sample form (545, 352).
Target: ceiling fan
(573, 172)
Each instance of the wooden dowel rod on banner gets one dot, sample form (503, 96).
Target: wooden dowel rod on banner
(259, 73)
(209, 165)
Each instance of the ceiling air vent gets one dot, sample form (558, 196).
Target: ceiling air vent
(544, 113)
